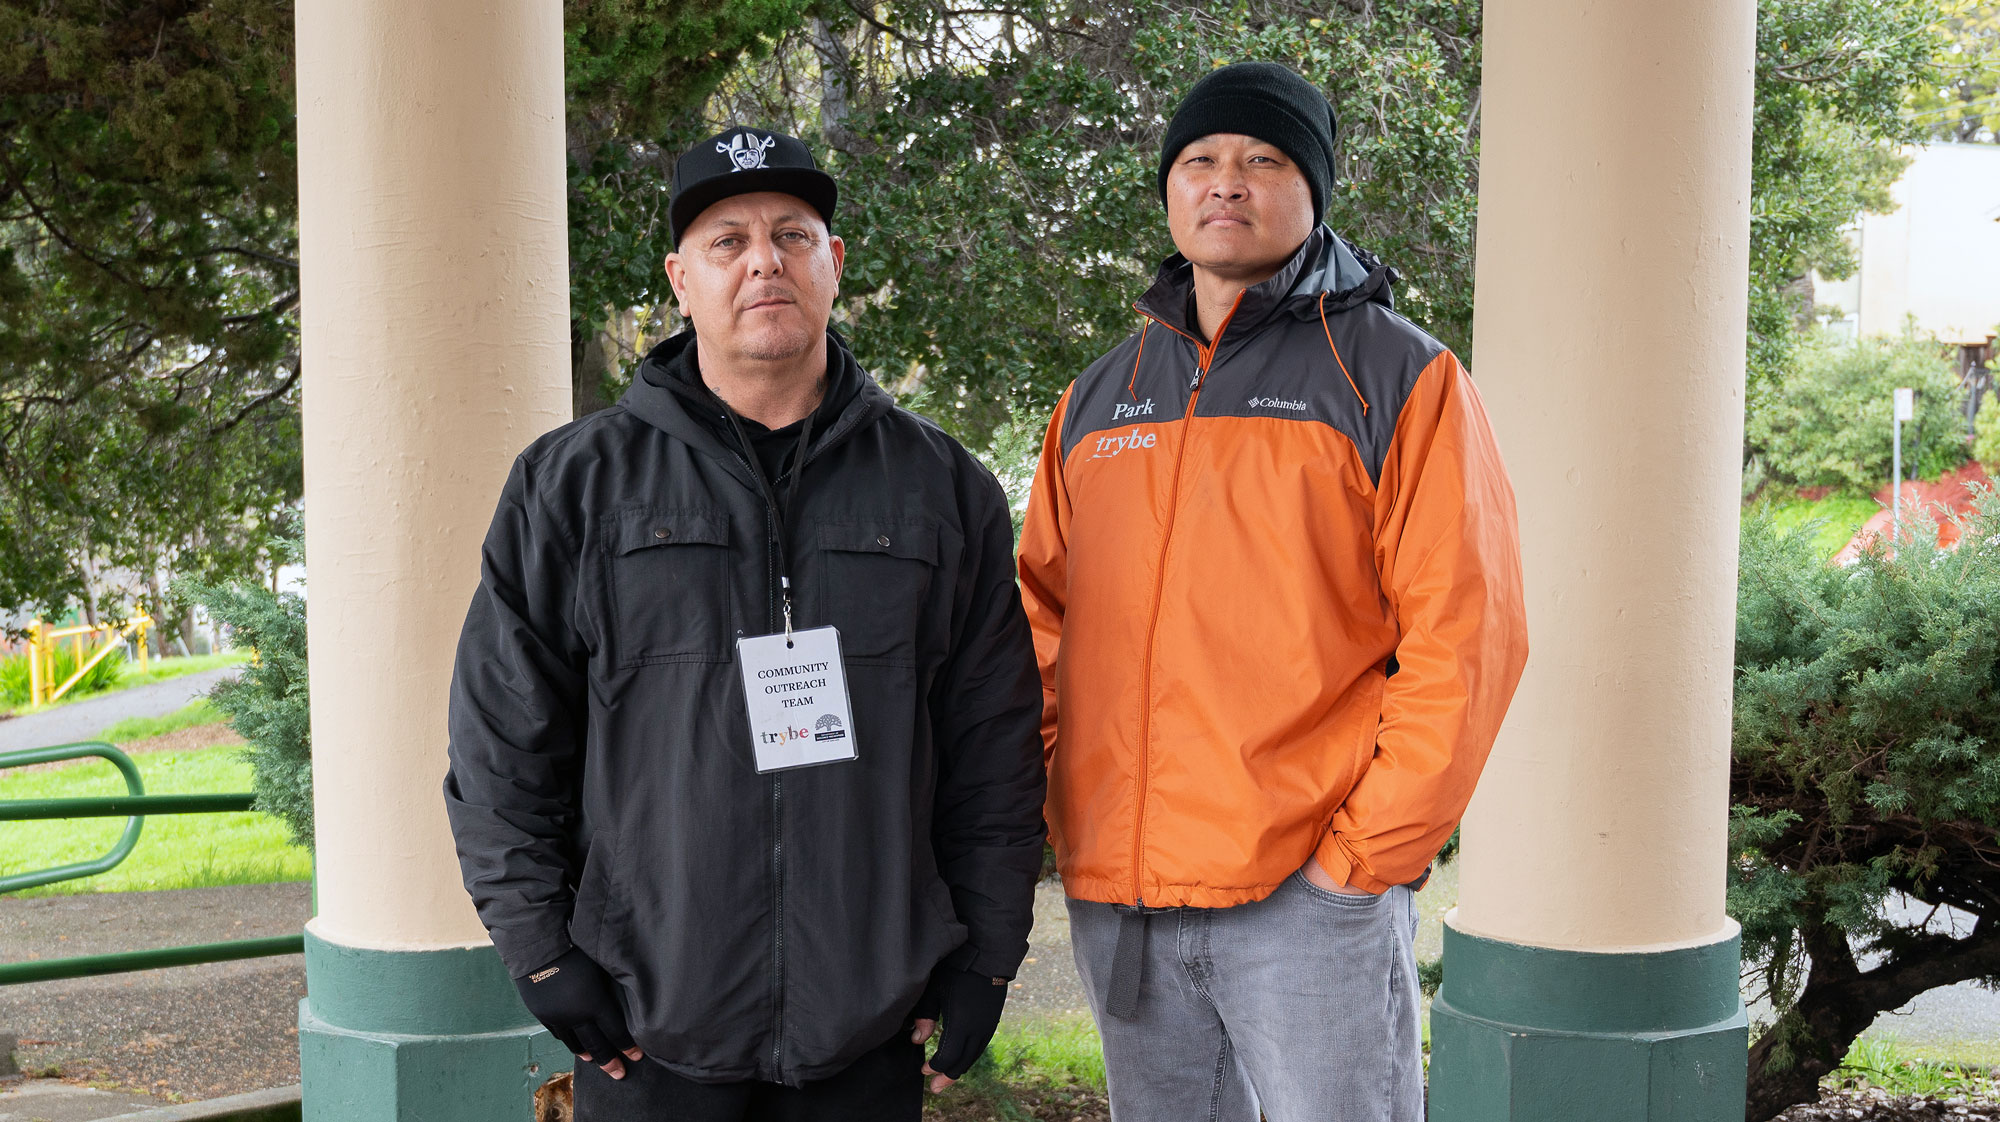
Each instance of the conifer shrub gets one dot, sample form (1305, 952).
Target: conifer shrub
(1829, 421)
(1865, 784)
(1986, 435)
(267, 704)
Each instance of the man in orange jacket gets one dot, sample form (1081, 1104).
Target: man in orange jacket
(1272, 568)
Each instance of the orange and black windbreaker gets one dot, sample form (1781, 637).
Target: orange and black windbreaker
(1275, 587)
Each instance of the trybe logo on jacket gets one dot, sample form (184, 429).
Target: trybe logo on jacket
(1109, 446)
(743, 151)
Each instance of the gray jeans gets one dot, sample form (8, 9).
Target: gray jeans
(1303, 1005)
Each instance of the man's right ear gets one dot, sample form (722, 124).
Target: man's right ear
(675, 271)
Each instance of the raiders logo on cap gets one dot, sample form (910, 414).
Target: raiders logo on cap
(739, 160)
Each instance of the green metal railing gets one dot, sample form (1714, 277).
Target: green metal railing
(134, 805)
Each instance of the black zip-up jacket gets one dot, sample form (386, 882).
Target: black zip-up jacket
(603, 789)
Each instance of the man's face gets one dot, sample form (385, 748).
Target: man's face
(1237, 206)
(757, 275)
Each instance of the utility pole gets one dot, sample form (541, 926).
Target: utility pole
(1906, 409)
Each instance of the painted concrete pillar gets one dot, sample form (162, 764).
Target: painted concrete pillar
(1590, 972)
(436, 307)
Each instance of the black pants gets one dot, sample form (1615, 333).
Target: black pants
(884, 1085)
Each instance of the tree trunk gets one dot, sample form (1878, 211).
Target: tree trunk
(1840, 1001)
(589, 365)
(1813, 1037)
(156, 606)
(833, 71)
(89, 589)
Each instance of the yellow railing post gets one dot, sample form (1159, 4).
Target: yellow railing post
(35, 665)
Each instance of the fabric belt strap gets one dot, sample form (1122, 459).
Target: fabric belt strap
(1128, 962)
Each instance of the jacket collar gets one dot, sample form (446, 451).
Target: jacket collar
(1325, 267)
(667, 393)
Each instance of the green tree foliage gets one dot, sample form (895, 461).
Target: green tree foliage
(1833, 78)
(1000, 208)
(1963, 106)
(999, 196)
(149, 358)
(148, 291)
(1866, 774)
(1829, 423)
(268, 703)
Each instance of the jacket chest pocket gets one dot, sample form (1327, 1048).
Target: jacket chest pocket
(875, 579)
(668, 574)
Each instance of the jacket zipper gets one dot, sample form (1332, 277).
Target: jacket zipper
(1204, 359)
(777, 845)
(771, 624)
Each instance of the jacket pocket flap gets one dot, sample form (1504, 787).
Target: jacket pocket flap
(916, 541)
(643, 529)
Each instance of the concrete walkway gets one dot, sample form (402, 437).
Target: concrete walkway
(173, 1035)
(84, 720)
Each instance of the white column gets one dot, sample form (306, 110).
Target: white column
(1609, 347)
(436, 307)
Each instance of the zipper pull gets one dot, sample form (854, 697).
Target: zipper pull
(1194, 382)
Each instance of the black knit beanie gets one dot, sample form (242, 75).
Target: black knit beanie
(1269, 102)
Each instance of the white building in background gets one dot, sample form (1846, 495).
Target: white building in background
(1936, 258)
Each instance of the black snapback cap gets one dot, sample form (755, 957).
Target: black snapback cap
(739, 160)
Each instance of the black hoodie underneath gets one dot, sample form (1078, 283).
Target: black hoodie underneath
(774, 447)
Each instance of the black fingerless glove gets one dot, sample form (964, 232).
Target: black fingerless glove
(577, 1001)
(968, 1006)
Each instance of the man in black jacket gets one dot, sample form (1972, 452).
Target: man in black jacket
(746, 773)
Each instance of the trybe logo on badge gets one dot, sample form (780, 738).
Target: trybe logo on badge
(788, 735)
(1109, 446)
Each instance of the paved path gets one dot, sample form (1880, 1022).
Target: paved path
(189, 1032)
(83, 720)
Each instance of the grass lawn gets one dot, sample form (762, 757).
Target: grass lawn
(1840, 515)
(1047, 1071)
(161, 669)
(196, 712)
(174, 851)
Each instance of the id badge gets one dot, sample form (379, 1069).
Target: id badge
(797, 697)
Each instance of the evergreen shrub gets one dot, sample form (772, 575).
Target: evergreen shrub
(268, 703)
(1866, 774)
(1986, 435)
(1828, 422)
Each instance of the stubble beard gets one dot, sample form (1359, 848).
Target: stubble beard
(775, 344)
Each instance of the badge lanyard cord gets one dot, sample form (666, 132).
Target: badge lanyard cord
(779, 512)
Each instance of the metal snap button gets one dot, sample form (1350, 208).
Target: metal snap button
(882, 541)
(663, 533)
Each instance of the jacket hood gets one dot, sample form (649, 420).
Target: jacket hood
(1325, 267)
(667, 393)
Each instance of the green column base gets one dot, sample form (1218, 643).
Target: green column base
(418, 1036)
(1529, 1034)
